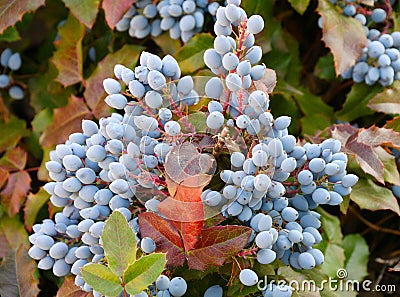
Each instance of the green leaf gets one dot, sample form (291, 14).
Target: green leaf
(84, 11)
(393, 124)
(67, 120)
(356, 101)
(115, 9)
(343, 35)
(102, 279)
(369, 195)
(42, 119)
(387, 101)
(33, 205)
(17, 269)
(46, 92)
(325, 68)
(190, 56)
(391, 174)
(331, 227)
(10, 35)
(12, 11)
(94, 92)
(166, 44)
(334, 259)
(198, 120)
(68, 54)
(143, 272)
(300, 5)
(16, 129)
(357, 254)
(119, 243)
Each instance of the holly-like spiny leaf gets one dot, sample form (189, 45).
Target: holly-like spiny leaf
(16, 129)
(69, 289)
(119, 243)
(67, 120)
(14, 159)
(12, 11)
(68, 54)
(343, 35)
(387, 101)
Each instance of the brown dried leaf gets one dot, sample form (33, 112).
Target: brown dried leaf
(68, 54)
(14, 194)
(69, 289)
(343, 35)
(11, 11)
(67, 119)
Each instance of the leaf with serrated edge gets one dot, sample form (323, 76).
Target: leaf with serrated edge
(369, 195)
(12, 11)
(94, 92)
(33, 205)
(85, 11)
(343, 132)
(17, 269)
(357, 253)
(115, 9)
(165, 236)
(14, 194)
(343, 35)
(375, 136)
(69, 289)
(14, 159)
(68, 54)
(216, 245)
(67, 120)
(143, 272)
(102, 279)
(119, 243)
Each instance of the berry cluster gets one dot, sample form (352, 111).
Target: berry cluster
(272, 185)
(380, 60)
(10, 61)
(182, 18)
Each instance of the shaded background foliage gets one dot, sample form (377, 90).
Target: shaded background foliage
(62, 81)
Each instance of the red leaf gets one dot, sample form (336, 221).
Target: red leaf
(68, 54)
(115, 9)
(188, 172)
(67, 119)
(12, 11)
(14, 194)
(14, 159)
(343, 132)
(94, 92)
(368, 159)
(165, 236)
(4, 174)
(69, 289)
(216, 245)
(375, 136)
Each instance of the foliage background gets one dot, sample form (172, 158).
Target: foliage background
(63, 85)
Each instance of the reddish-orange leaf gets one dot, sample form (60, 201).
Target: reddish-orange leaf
(69, 289)
(94, 92)
(4, 174)
(115, 9)
(68, 54)
(67, 120)
(14, 194)
(14, 159)
(11, 11)
(165, 236)
(217, 244)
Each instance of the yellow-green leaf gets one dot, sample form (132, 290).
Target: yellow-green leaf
(143, 272)
(102, 279)
(85, 11)
(33, 205)
(119, 243)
